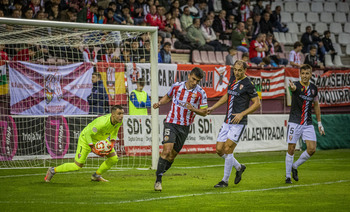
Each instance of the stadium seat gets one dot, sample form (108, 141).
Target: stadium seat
(327, 18)
(347, 50)
(302, 58)
(294, 37)
(293, 27)
(303, 26)
(336, 28)
(282, 37)
(225, 53)
(196, 57)
(212, 57)
(204, 57)
(290, 6)
(286, 17)
(312, 17)
(282, 47)
(289, 38)
(239, 55)
(343, 7)
(304, 7)
(219, 58)
(299, 17)
(330, 7)
(337, 61)
(333, 38)
(328, 60)
(275, 4)
(347, 28)
(339, 17)
(317, 7)
(277, 36)
(305, 0)
(321, 27)
(337, 48)
(344, 38)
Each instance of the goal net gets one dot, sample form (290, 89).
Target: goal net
(47, 96)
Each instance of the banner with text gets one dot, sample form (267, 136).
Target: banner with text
(50, 90)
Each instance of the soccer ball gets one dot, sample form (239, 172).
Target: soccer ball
(103, 146)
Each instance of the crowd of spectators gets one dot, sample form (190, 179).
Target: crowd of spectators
(196, 24)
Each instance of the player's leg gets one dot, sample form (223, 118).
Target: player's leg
(293, 135)
(111, 160)
(80, 157)
(309, 136)
(220, 141)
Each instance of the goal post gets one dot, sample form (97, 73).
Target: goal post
(77, 35)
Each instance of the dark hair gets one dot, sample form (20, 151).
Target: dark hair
(305, 67)
(232, 48)
(312, 47)
(166, 44)
(115, 107)
(112, 3)
(242, 63)
(141, 81)
(198, 72)
(93, 4)
(297, 44)
(326, 32)
(97, 74)
(245, 54)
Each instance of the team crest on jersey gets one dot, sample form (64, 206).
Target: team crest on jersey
(290, 137)
(313, 92)
(302, 89)
(194, 95)
(241, 87)
(79, 155)
(166, 138)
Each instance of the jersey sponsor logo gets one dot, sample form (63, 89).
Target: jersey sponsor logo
(233, 93)
(307, 98)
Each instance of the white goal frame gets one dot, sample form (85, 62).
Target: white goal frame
(153, 61)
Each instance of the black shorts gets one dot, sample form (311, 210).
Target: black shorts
(176, 134)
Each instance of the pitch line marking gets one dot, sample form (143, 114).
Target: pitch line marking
(175, 197)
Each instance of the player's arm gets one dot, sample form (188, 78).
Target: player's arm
(292, 86)
(203, 111)
(318, 116)
(165, 99)
(256, 104)
(221, 101)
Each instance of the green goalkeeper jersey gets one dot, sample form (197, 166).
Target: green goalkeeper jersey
(100, 129)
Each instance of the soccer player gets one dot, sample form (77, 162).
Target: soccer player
(188, 99)
(239, 93)
(99, 129)
(304, 94)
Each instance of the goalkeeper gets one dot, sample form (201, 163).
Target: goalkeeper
(99, 129)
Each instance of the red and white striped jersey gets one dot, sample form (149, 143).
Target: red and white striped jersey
(252, 49)
(178, 113)
(295, 57)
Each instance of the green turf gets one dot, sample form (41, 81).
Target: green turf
(324, 185)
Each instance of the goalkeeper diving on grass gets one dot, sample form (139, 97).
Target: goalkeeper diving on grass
(98, 130)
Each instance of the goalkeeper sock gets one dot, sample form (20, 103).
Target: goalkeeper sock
(289, 163)
(168, 165)
(162, 163)
(67, 167)
(107, 164)
(303, 157)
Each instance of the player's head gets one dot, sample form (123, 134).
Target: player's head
(117, 114)
(305, 73)
(96, 76)
(239, 69)
(140, 84)
(195, 77)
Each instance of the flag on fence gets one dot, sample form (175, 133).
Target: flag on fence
(49, 90)
(3, 79)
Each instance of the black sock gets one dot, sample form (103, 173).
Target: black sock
(162, 164)
(168, 165)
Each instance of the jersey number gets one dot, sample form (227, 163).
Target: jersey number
(291, 130)
(167, 131)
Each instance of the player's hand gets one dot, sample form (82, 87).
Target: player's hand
(189, 106)
(292, 85)
(156, 105)
(238, 117)
(320, 128)
(209, 110)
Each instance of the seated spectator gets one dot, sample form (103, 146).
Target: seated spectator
(153, 19)
(127, 16)
(136, 11)
(209, 35)
(28, 13)
(186, 19)
(176, 14)
(306, 40)
(215, 6)
(25, 54)
(317, 41)
(54, 13)
(257, 49)
(119, 6)
(88, 14)
(220, 28)
(139, 100)
(273, 47)
(265, 24)
(294, 55)
(101, 19)
(239, 39)
(126, 56)
(231, 8)
(105, 54)
(245, 58)
(110, 16)
(202, 8)
(230, 25)
(16, 13)
(165, 53)
(231, 57)
(146, 52)
(244, 9)
(328, 45)
(258, 8)
(195, 35)
(17, 5)
(193, 10)
(35, 6)
(5, 8)
(98, 99)
(3, 54)
(312, 59)
(276, 21)
(135, 51)
(147, 6)
(41, 15)
(164, 32)
(250, 28)
(69, 15)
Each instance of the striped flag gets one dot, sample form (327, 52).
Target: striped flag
(3, 79)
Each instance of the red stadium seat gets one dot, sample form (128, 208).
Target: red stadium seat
(204, 57)
(212, 58)
(219, 58)
(196, 58)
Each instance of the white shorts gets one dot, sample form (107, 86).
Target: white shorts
(295, 131)
(230, 131)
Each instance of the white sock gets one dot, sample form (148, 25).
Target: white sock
(236, 164)
(228, 167)
(303, 157)
(289, 163)
(224, 156)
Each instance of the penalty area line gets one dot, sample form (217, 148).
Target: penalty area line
(175, 196)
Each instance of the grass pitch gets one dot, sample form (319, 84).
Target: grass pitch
(324, 185)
